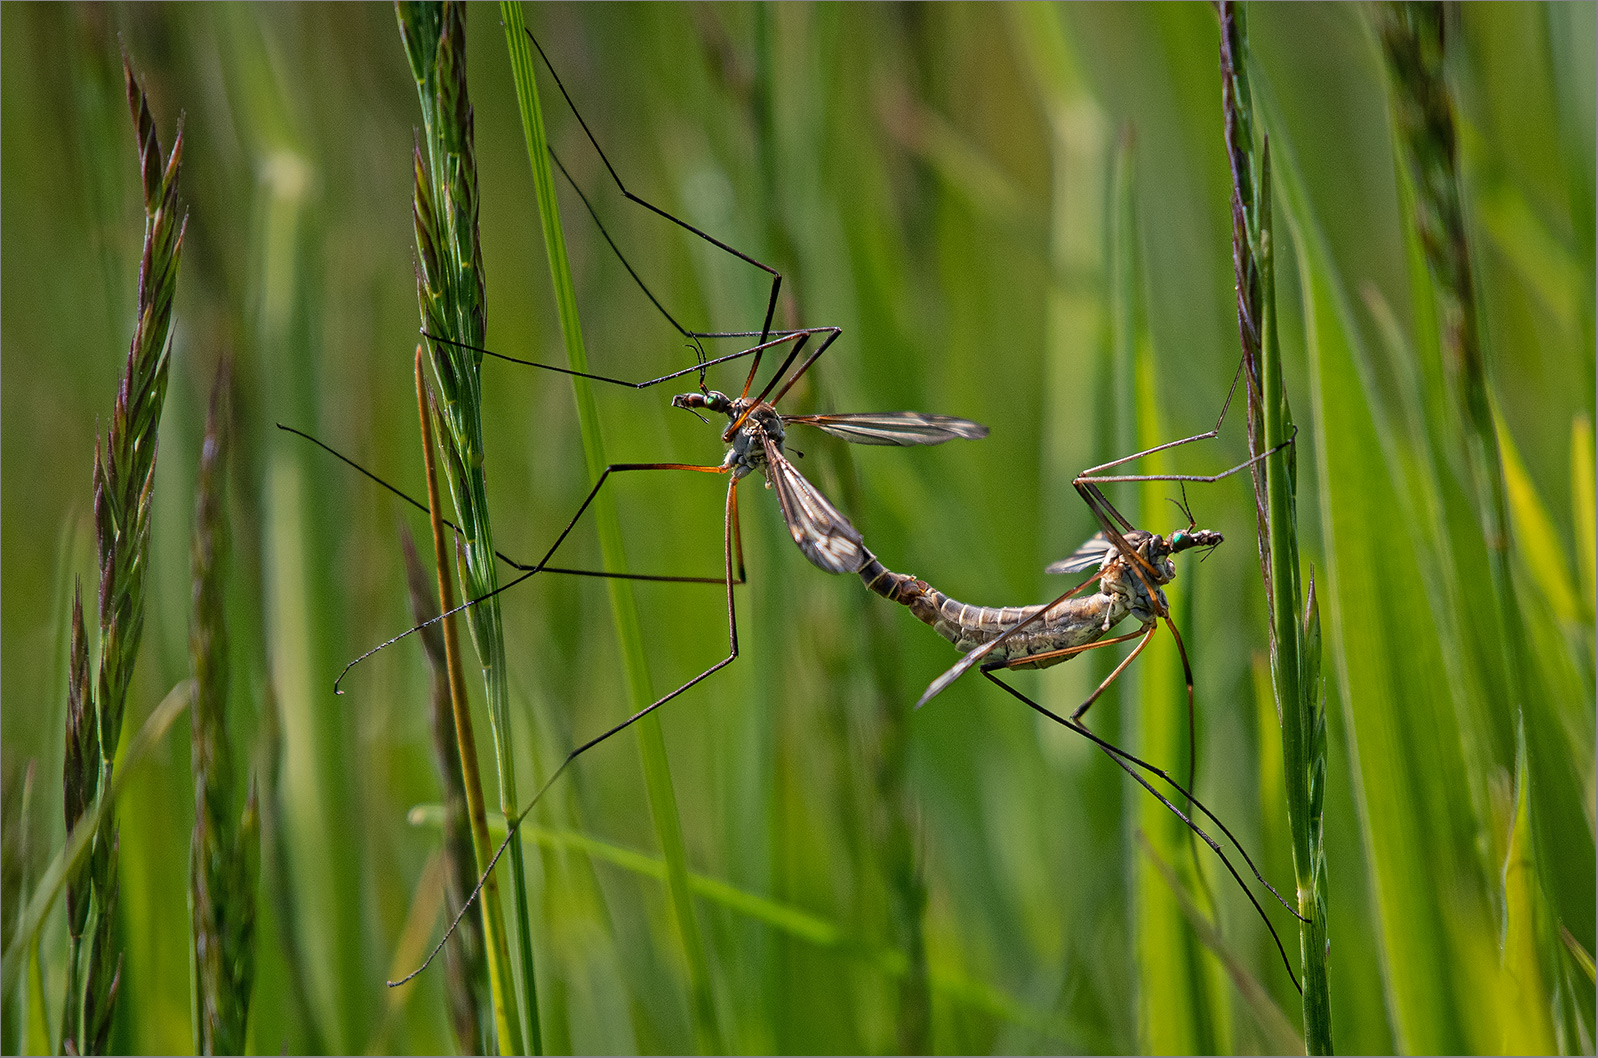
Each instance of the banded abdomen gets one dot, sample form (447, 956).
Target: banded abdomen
(1069, 623)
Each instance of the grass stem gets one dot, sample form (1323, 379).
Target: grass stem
(464, 777)
(451, 289)
(1294, 641)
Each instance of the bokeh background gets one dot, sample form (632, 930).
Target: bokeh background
(1018, 215)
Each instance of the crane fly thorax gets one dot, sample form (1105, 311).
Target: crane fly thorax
(746, 450)
(1138, 584)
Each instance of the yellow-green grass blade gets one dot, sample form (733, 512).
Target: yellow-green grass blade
(1178, 1011)
(1528, 1027)
(1584, 512)
(1273, 1023)
(657, 770)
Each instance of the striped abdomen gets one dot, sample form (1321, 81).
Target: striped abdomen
(1069, 623)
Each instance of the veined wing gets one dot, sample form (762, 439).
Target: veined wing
(893, 427)
(1090, 555)
(824, 535)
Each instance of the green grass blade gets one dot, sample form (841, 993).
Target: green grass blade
(1536, 541)
(452, 291)
(657, 770)
(1427, 147)
(1385, 647)
(1174, 1012)
(1528, 1028)
(1295, 643)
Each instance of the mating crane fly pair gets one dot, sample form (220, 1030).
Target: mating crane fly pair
(1129, 565)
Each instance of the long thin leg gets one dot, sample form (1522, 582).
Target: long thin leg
(797, 375)
(756, 350)
(638, 280)
(1206, 435)
(832, 336)
(729, 532)
(1126, 761)
(776, 276)
(1091, 473)
(542, 564)
(1076, 722)
(1050, 656)
(657, 578)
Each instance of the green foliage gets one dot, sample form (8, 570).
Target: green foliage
(939, 182)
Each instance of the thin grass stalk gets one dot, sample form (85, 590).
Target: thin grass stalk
(124, 480)
(451, 290)
(466, 992)
(470, 968)
(224, 853)
(1414, 45)
(657, 770)
(1294, 640)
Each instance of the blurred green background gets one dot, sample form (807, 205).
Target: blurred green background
(940, 181)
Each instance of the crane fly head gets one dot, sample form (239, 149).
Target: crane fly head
(1157, 550)
(1185, 539)
(712, 400)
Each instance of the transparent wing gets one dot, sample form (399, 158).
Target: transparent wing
(1090, 555)
(893, 427)
(824, 535)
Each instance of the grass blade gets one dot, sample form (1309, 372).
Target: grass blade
(657, 771)
(1175, 1012)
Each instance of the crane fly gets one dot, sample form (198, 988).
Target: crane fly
(1129, 568)
(754, 438)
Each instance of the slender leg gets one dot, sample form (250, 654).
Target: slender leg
(1126, 761)
(776, 276)
(754, 367)
(1048, 657)
(542, 566)
(1076, 722)
(1091, 472)
(729, 532)
(786, 386)
(781, 337)
(659, 578)
(832, 336)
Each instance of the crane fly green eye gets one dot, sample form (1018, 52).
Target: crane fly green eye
(1179, 538)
